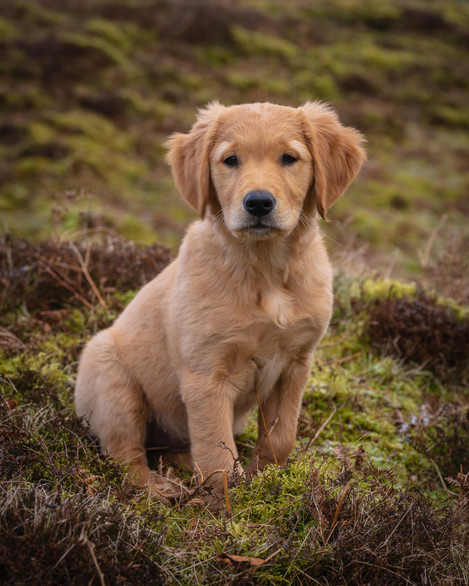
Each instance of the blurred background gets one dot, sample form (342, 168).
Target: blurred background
(90, 90)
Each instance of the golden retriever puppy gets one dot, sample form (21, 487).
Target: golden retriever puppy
(234, 320)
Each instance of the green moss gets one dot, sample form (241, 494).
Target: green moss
(451, 116)
(8, 31)
(132, 228)
(241, 80)
(81, 122)
(376, 288)
(121, 35)
(107, 49)
(41, 132)
(259, 43)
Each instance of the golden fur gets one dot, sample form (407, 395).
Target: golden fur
(240, 311)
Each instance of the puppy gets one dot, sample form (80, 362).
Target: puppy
(234, 320)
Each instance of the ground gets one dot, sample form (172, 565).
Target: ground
(377, 488)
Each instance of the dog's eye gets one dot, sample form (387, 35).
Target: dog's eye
(231, 161)
(288, 160)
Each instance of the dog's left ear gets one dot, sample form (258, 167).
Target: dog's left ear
(336, 150)
(188, 157)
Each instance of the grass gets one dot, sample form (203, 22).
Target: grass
(375, 491)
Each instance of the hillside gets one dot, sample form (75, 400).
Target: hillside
(89, 92)
(376, 490)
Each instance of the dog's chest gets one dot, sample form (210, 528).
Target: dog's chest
(268, 370)
(278, 306)
(275, 350)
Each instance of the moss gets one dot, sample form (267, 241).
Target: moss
(8, 31)
(312, 82)
(121, 35)
(106, 48)
(375, 288)
(134, 229)
(451, 116)
(297, 516)
(259, 43)
(241, 81)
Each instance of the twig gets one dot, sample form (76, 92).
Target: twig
(337, 511)
(204, 480)
(273, 425)
(299, 549)
(397, 525)
(321, 429)
(443, 483)
(200, 472)
(225, 488)
(266, 430)
(84, 539)
(272, 555)
(84, 268)
(244, 445)
(64, 283)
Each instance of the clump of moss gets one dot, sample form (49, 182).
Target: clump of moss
(421, 331)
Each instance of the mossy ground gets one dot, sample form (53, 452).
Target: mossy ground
(375, 490)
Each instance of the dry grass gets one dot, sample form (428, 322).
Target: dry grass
(52, 275)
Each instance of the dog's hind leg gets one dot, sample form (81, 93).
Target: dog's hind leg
(117, 411)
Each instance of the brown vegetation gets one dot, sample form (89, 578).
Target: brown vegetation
(421, 331)
(52, 275)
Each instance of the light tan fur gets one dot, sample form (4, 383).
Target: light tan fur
(240, 311)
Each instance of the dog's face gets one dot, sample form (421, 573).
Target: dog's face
(265, 169)
(261, 170)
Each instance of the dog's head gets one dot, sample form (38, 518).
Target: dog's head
(265, 169)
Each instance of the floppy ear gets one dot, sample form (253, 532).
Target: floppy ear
(188, 157)
(336, 150)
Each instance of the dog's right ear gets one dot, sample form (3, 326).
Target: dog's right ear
(188, 157)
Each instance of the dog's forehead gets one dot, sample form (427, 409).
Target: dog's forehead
(252, 124)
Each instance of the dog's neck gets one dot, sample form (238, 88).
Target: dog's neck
(278, 253)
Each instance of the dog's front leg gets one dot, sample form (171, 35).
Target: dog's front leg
(278, 417)
(209, 403)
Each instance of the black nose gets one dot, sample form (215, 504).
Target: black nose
(259, 203)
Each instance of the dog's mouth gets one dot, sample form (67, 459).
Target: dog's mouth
(259, 230)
